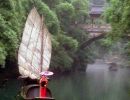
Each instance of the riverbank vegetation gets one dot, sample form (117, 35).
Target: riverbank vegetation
(61, 17)
(117, 14)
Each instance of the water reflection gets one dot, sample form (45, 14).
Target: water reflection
(10, 90)
(97, 84)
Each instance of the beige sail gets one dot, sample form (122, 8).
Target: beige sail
(35, 49)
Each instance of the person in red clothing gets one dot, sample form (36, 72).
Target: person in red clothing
(43, 84)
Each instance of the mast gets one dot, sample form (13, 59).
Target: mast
(41, 46)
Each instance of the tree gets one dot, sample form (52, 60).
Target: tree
(64, 48)
(117, 14)
(59, 19)
(65, 13)
(81, 10)
(13, 15)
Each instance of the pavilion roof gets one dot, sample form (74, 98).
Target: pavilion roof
(96, 9)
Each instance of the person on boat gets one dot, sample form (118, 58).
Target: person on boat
(43, 83)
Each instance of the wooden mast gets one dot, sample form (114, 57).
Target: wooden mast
(41, 46)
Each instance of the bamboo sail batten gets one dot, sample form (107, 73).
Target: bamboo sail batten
(35, 49)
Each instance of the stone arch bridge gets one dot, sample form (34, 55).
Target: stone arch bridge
(95, 32)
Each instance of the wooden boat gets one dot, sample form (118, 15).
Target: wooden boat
(34, 56)
(113, 66)
(31, 92)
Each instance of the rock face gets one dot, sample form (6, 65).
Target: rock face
(113, 67)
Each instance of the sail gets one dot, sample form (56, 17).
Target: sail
(35, 49)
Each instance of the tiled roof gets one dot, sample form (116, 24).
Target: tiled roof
(96, 10)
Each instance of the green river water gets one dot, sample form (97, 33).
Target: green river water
(97, 83)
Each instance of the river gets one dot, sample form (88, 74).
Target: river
(97, 83)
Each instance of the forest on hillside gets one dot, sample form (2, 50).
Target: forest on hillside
(117, 14)
(62, 18)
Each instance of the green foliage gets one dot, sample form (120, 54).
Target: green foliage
(65, 13)
(106, 42)
(52, 3)
(113, 15)
(68, 43)
(59, 16)
(3, 54)
(81, 10)
(118, 15)
(61, 60)
(79, 35)
(12, 18)
(55, 43)
(50, 17)
(9, 29)
(64, 48)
